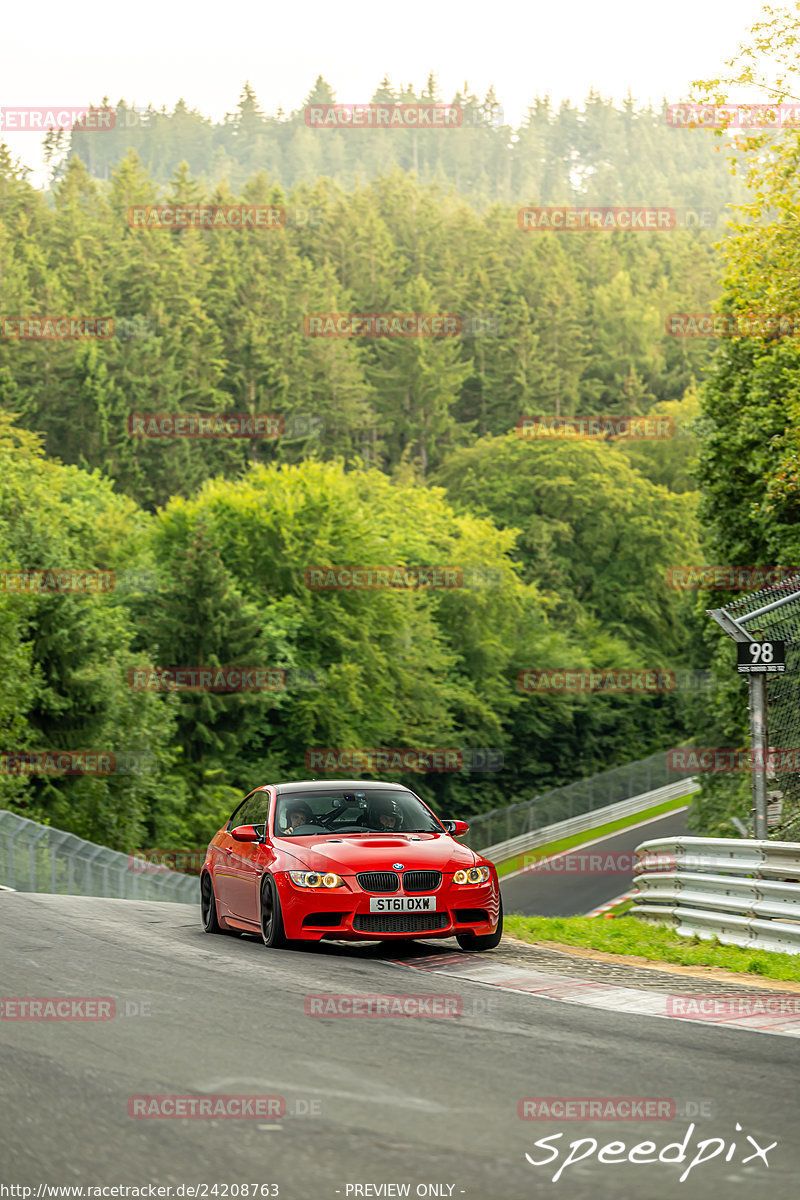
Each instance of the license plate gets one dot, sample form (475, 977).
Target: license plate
(402, 904)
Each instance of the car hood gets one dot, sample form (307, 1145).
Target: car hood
(428, 851)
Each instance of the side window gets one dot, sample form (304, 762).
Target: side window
(252, 810)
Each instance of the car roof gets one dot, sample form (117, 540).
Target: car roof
(362, 785)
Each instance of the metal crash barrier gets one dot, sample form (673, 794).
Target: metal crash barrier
(742, 892)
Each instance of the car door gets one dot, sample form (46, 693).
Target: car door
(246, 859)
(223, 849)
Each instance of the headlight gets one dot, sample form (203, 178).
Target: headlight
(313, 879)
(473, 875)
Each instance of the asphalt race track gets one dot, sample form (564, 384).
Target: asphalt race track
(369, 1101)
(561, 889)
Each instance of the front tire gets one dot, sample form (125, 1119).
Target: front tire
(208, 905)
(471, 941)
(272, 931)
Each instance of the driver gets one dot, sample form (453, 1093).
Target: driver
(384, 814)
(296, 814)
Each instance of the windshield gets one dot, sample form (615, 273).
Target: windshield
(304, 813)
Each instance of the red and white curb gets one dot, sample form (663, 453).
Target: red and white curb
(774, 1012)
(604, 908)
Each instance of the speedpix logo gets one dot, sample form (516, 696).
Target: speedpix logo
(616, 1153)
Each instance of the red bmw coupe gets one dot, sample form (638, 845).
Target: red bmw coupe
(356, 861)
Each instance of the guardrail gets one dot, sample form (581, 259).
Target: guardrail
(36, 858)
(583, 796)
(589, 820)
(743, 892)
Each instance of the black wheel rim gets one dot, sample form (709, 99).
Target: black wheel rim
(206, 900)
(267, 912)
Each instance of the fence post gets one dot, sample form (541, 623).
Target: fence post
(11, 849)
(758, 743)
(32, 855)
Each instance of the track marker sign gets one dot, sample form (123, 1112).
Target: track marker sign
(761, 658)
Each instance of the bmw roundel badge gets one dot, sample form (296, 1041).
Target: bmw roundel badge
(398, 866)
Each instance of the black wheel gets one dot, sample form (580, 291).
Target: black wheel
(208, 905)
(271, 919)
(471, 941)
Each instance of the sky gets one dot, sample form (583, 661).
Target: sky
(66, 55)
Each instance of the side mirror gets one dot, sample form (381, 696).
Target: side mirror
(456, 828)
(245, 833)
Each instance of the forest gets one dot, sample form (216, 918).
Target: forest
(354, 452)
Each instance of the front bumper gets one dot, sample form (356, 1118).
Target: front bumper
(344, 913)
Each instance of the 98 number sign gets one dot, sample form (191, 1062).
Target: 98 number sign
(760, 658)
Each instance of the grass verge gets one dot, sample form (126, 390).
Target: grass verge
(588, 835)
(657, 943)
